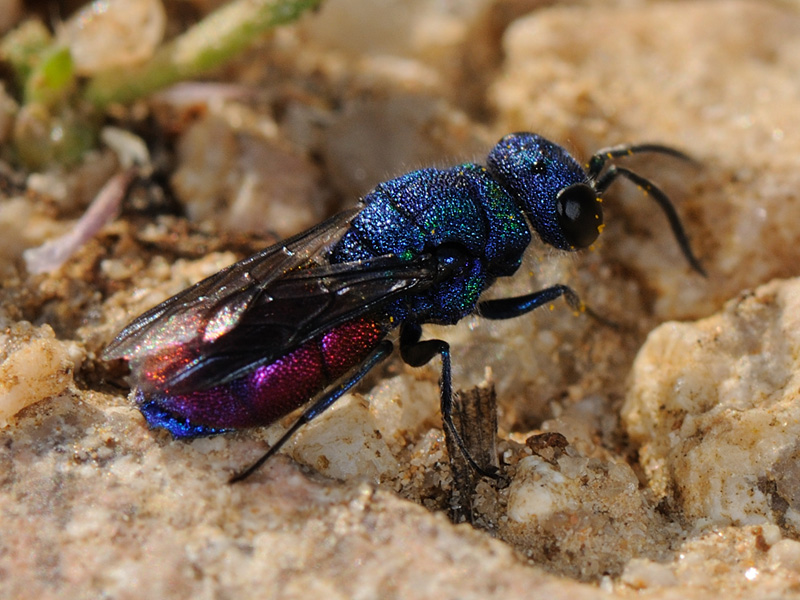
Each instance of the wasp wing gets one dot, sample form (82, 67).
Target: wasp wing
(258, 309)
(184, 316)
(294, 309)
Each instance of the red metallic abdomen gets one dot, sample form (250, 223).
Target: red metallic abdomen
(276, 389)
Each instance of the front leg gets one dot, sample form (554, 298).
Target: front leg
(508, 308)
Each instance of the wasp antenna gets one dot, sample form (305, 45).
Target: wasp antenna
(662, 200)
(602, 156)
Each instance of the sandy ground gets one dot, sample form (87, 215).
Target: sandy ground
(656, 459)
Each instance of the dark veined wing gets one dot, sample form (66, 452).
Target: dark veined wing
(258, 309)
(183, 317)
(296, 308)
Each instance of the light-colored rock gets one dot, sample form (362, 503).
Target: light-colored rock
(34, 366)
(584, 517)
(113, 34)
(714, 405)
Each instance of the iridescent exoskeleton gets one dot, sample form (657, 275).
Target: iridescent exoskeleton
(304, 320)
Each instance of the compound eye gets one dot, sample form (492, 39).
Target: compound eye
(579, 214)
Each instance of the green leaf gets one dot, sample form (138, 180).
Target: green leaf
(52, 79)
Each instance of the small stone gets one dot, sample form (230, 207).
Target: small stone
(34, 365)
(785, 554)
(113, 34)
(641, 573)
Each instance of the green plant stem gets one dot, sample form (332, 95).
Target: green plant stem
(211, 42)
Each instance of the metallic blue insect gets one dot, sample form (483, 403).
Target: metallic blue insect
(309, 317)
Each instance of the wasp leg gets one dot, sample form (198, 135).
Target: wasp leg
(381, 352)
(508, 308)
(417, 353)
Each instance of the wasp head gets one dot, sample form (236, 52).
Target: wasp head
(552, 188)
